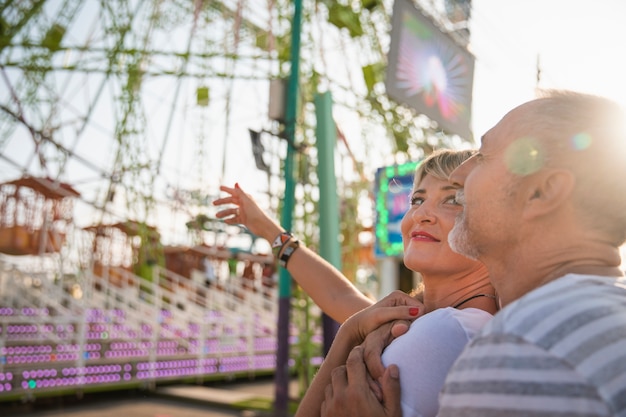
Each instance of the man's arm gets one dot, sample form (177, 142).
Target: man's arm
(377, 340)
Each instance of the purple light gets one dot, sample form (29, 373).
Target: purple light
(125, 343)
(6, 311)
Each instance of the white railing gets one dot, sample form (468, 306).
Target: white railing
(93, 334)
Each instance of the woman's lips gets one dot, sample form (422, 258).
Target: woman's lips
(423, 236)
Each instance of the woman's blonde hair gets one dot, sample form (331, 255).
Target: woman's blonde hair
(441, 163)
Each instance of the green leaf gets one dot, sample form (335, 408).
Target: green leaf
(54, 37)
(262, 41)
(345, 18)
(373, 74)
(370, 4)
(202, 96)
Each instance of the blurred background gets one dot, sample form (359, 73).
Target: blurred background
(119, 120)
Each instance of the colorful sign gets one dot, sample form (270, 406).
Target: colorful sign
(428, 71)
(393, 188)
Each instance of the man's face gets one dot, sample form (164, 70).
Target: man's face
(487, 192)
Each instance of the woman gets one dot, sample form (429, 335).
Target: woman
(456, 292)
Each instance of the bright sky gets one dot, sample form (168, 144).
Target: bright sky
(579, 44)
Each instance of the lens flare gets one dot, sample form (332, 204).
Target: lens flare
(581, 141)
(524, 156)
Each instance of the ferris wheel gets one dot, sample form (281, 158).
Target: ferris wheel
(145, 106)
(132, 102)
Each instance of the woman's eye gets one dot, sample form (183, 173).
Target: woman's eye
(416, 201)
(452, 200)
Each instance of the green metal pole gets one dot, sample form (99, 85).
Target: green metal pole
(281, 377)
(326, 138)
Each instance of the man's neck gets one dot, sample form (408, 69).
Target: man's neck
(513, 280)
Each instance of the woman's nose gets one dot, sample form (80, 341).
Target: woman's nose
(423, 214)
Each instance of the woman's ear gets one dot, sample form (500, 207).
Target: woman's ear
(548, 190)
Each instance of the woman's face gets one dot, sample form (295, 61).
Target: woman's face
(426, 225)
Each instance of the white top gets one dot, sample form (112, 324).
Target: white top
(426, 352)
(560, 350)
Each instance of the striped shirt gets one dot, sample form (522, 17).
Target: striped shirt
(558, 351)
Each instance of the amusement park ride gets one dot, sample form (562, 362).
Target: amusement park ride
(137, 314)
(34, 215)
(109, 125)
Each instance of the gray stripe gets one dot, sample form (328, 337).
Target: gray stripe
(495, 339)
(500, 412)
(538, 308)
(550, 389)
(538, 316)
(543, 307)
(573, 323)
(597, 342)
(618, 402)
(608, 372)
(509, 362)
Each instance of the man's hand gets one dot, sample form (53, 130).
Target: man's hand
(378, 339)
(374, 344)
(349, 393)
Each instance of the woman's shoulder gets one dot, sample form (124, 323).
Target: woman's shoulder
(442, 331)
(456, 314)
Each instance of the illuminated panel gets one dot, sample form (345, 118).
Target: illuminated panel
(428, 71)
(393, 186)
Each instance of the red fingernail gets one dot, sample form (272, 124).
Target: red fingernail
(236, 185)
(414, 311)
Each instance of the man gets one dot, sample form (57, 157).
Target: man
(545, 211)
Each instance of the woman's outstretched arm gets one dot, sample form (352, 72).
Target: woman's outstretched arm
(325, 284)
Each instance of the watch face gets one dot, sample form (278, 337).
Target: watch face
(281, 239)
(292, 246)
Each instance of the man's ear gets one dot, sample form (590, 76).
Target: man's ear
(548, 190)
